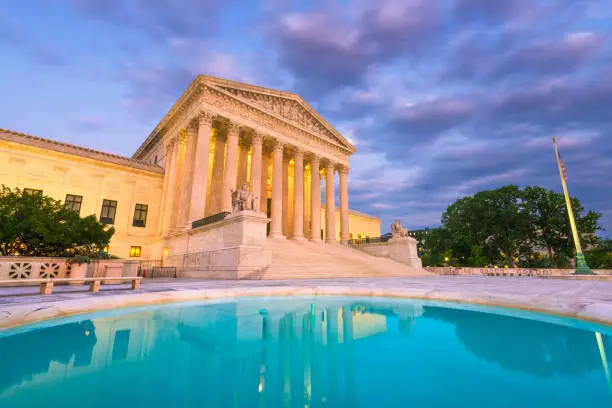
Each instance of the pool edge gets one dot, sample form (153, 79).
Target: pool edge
(20, 315)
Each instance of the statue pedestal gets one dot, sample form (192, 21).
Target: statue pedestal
(404, 249)
(233, 248)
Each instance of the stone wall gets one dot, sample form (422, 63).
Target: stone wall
(29, 267)
(229, 249)
(508, 271)
(403, 250)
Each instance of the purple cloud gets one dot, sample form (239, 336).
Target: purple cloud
(158, 18)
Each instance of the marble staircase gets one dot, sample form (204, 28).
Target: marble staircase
(310, 260)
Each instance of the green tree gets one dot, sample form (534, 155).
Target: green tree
(494, 220)
(37, 225)
(548, 215)
(600, 256)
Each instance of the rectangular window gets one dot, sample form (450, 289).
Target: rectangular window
(140, 215)
(32, 191)
(109, 208)
(135, 251)
(73, 202)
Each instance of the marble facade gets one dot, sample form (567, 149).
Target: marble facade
(221, 134)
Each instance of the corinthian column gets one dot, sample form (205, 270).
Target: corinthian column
(344, 207)
(276, 224)
(330, 207)
(214, 199)
(256, 158)
(315, 197)
(187, 179)
(171, 169)
(199, 186)
(298, 195)
(243, 161)
(231, 169)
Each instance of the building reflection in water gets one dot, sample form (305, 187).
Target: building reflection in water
(304, 358)
(32, 353)
(258, 354)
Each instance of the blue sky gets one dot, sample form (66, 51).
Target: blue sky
(442, 98)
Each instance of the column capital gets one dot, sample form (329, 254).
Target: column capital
(257, 137)
(277, 145)
(342, 169)
(206, 117)
(170, 142)
(330, 165)
(233, 127)
(315, 160)
(298, 152)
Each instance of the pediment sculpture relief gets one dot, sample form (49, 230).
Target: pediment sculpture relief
(286, 108)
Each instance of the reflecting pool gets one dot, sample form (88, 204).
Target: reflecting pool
(307, 352)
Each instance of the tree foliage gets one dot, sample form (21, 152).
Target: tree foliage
(508, 226)
(600, 256)
(37, 225)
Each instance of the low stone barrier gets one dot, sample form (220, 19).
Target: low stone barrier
(449, 270)
(20, 268)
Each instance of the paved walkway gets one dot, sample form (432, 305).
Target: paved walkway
(589, 300)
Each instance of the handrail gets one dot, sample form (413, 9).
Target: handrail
(211, 219)
(367, 241)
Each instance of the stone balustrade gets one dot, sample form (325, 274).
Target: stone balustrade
(449, 270)
(27, 267)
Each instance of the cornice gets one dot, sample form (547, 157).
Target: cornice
(172, 116)
(66, 148)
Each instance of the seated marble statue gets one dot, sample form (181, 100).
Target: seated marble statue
(243, 200)
(397, 231)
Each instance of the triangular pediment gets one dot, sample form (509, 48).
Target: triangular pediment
(287, 106)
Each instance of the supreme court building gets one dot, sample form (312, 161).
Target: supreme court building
(218, 136)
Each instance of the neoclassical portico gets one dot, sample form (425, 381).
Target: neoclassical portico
(223, 134)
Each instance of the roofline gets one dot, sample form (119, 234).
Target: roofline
(355, 212)
(202, 80)
(66, 148)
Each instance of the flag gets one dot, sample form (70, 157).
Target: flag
(562, 167)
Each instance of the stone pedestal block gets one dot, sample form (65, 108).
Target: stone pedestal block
(229, 249)
(113, 271)
(401, 249)
(404, 250)
(78, 271)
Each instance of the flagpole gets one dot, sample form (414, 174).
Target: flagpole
(581, 266)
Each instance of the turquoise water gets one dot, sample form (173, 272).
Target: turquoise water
(307, 352)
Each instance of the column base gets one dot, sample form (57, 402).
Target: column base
(277, 236)
(331, 241)
(299, 238)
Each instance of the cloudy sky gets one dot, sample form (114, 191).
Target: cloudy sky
(442, 98)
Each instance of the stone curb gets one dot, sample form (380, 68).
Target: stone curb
(18, 315)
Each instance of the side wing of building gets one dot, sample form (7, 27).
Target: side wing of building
(122, 192)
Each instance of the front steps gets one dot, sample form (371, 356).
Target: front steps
(310, 260)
